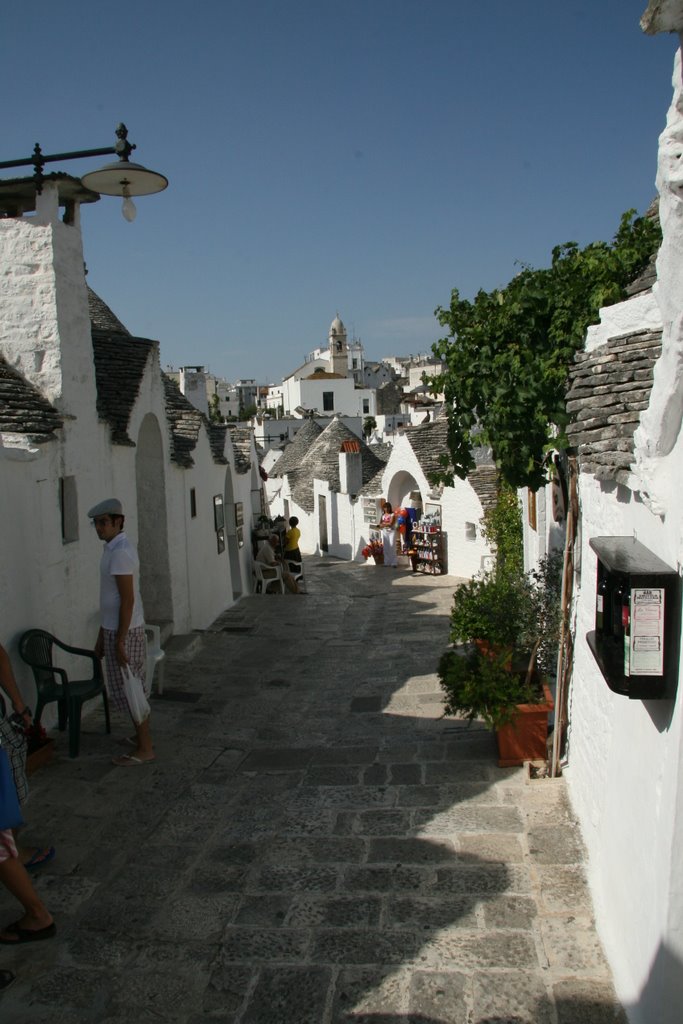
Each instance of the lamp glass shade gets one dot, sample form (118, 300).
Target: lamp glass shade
(113, 179)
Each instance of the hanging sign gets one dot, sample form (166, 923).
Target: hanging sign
(647, 631)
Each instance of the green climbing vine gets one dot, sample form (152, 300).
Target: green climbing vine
(508, 351)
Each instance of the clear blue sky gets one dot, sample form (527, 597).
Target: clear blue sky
(359, 156)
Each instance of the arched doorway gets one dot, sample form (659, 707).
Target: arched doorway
(403, 492)
(400, 489)
(155, 576)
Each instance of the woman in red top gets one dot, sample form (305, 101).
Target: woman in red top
(387, 525)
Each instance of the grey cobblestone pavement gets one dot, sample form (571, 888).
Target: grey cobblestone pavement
(314, 844)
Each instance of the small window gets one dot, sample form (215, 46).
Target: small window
(68, 507)
(531, 502)
(470, 531)
(366, 406)
(328, 401)
(193, 503)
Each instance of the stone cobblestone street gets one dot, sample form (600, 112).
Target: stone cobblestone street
(314, 844)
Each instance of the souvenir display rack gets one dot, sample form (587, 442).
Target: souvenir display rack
(427, 543)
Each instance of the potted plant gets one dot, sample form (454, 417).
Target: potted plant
(493, 611)
(485, 686)
(374, 549)
(505, 628)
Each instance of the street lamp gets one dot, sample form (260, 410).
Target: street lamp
(120, 178)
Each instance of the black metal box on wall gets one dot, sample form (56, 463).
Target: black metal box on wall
(636, 640)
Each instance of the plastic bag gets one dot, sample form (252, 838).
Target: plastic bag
(135, 695)
(10, 812)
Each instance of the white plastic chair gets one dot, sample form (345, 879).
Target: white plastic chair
(261, 582)
(155, 656)
(296, 571)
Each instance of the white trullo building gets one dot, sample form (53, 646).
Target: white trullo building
(624, 765)
(86, 413)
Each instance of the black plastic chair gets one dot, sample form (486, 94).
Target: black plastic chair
(53, 684)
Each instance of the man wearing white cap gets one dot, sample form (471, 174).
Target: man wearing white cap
(121, 639)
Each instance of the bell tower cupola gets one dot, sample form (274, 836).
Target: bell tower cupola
(339, 356)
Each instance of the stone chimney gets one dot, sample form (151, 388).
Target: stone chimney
(350, 468)
(44, 317)
(193, 386)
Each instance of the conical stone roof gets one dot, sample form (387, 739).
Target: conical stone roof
(297, 448)
(101, 316)
(322, 463)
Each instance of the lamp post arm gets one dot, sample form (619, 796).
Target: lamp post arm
(123, 148)
(39, 158)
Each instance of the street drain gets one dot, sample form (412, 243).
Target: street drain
(277, 682)
(237, 629)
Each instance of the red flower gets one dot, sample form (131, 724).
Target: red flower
(374, 548)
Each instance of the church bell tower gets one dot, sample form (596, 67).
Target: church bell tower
(339, 353)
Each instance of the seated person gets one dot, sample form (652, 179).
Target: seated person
(267, 557)
(292, 553)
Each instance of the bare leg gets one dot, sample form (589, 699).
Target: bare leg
(145, 750)
(14, 877)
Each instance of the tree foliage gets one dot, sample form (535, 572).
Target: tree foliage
(369, 424)
(215, 414)
(246, 412)
(508, 352)
(501, 528)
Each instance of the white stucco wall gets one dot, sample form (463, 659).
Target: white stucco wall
(624, 768)
(460, 505)
(343, 538)
(206, 575)
(625, 758)
(41, 584)
(44, 582)
(550, 532)
(308, 394)
(281, 503)
(43, 294)
(45, 334)
(535, 540)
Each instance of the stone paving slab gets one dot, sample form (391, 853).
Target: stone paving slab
(315, 844)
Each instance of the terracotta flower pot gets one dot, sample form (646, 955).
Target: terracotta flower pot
(525, 738)
(379, 558)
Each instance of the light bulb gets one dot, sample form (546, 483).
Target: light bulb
(128, 209)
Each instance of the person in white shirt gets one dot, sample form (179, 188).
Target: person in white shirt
(121, 640)
(266, 555)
